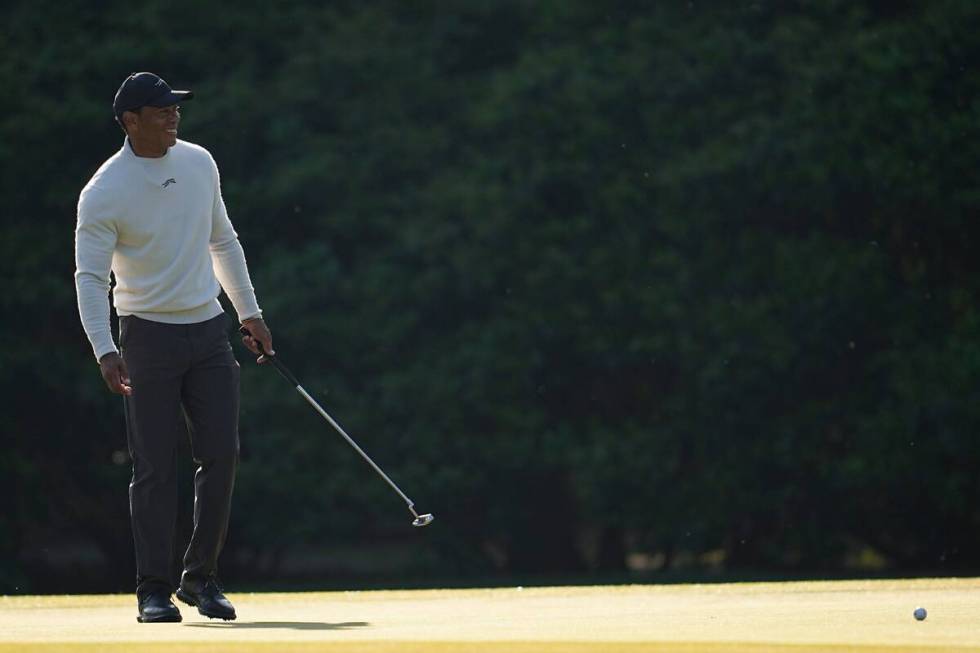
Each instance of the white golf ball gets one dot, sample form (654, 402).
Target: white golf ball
(919, 614)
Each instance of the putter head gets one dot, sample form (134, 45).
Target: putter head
(423, 520)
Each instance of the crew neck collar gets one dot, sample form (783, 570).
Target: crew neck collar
(128, 148)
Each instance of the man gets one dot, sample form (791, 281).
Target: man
(154, 216)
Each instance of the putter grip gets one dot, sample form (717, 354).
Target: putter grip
(282, 369)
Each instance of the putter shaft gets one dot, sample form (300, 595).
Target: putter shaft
(420, 520)
(351, 442)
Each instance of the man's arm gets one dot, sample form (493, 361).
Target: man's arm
(95, 240)
(232, 272)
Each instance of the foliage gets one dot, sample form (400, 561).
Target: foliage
(584, 279)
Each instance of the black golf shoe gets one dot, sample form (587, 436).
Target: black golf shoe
(208, 600)
(157, 608)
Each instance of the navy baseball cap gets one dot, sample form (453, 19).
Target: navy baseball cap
(146, 90)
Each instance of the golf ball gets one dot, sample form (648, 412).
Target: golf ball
(919, 614)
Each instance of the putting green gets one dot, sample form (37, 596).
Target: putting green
(864, 616)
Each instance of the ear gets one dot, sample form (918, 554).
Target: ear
(129, 119)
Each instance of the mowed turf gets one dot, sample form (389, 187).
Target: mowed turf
(865, 616)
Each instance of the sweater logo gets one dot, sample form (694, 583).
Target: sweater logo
(169, 181)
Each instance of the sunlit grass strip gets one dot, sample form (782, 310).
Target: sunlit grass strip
(467, 647)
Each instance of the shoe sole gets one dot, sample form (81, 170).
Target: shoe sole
(185, 598)
(165, 619)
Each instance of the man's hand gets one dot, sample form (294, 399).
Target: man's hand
(115, 374)
(259, 334)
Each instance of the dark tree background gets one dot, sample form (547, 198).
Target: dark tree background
(608, 287)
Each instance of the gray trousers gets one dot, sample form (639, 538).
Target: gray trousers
(175, 369)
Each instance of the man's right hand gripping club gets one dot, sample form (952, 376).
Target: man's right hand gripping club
(115, 374)
(258, 332)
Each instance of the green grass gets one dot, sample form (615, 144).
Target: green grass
(870, 616)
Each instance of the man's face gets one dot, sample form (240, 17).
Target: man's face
(155, 127)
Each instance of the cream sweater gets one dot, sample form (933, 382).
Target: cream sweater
(161, 226)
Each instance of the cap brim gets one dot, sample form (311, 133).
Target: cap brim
(171, 98)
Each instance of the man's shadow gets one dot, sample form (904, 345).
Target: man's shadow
(291, 625)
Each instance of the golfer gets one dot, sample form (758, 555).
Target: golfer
(154, 216)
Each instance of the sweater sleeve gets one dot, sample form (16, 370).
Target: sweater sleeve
(95, 240)
(229, 257)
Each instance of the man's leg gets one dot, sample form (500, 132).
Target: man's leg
(210, 399)
(152, 427)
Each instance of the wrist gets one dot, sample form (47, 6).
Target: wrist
(104, 357)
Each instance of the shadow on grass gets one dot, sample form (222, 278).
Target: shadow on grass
(291, 625)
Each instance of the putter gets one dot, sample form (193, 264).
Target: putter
(420, 520)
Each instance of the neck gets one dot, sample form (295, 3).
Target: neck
(150, 151)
